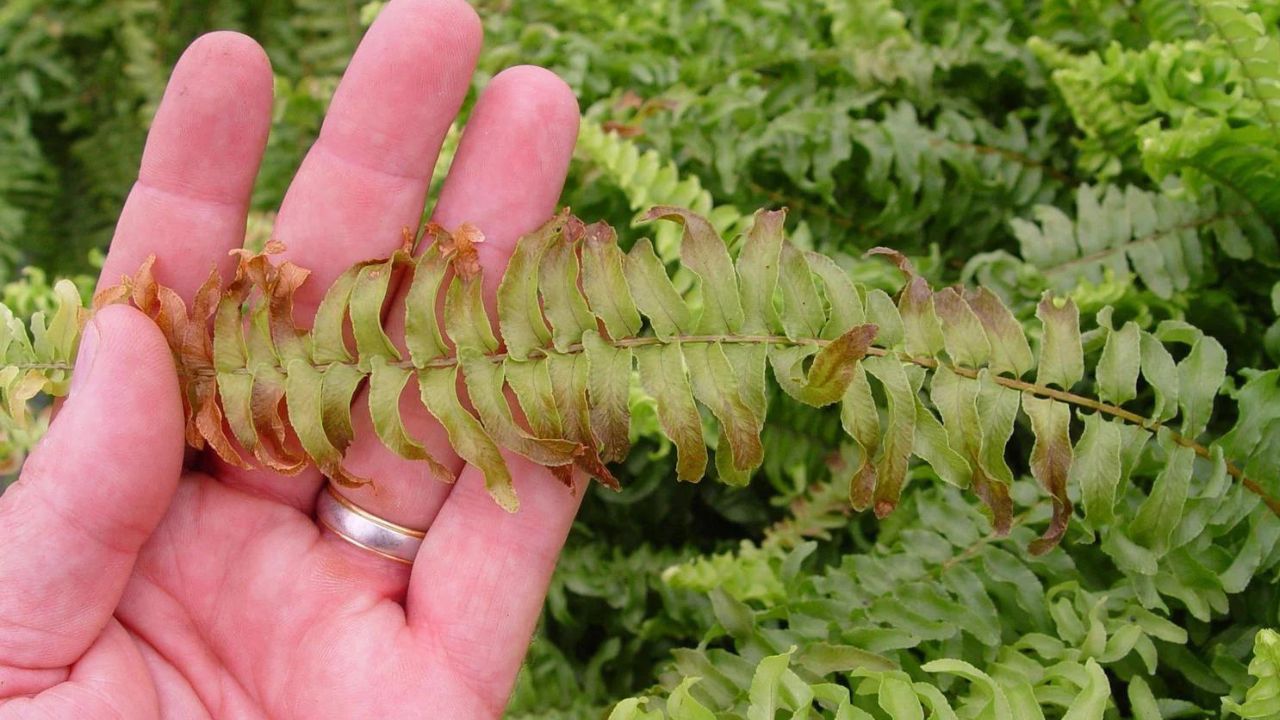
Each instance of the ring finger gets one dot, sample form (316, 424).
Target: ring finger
(506, 179)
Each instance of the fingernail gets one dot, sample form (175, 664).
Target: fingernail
(84, 358)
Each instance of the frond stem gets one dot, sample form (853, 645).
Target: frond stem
(1044, 391)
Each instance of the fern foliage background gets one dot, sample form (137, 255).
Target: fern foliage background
(1118, 157)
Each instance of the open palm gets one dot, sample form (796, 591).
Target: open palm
(136, 582)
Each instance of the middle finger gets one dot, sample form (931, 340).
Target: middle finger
(367, 174)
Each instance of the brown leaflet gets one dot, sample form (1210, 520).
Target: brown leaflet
(273, 446)
(564, 473)
(289, 339)
(208, 424)
(569, 376)
(995, 495)
(197, 355)
(113, 294)
(1010, 352)
(862, 487)
(1051, 460)
(273, 433)
(459, 248)
(833, 368)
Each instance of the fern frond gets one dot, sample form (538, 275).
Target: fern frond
(572, 315)
(1243, 160)
(1263, 700)
(1118, 231)
(1256, 51)
(1113, 92)
(648, 179)
(940, 595)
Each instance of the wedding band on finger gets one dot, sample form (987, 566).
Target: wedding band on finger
(366, 530)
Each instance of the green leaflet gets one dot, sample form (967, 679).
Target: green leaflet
(1142, 701)
(758, 270)
(916, 307)
(519, 312)
(1160, 372)
(766, 687)
(328, 343)
(1200, 374)
(899, 438)
(898, 699)
(703, 252)
(1061, 355)
(565, 307)
(655, 296)
(861, 420)
(386, 385)
(421, 328)
(236, 391)
(997, 410)
(308, 407)
(484, 387)
(1000, 709)
(846, 309)
(883, 313)
(605, 282)
(956, 398)
(1118, 367)
(932, 446)
(802, 315)
(531, 381)
(1096, 470)
(1160, 513)
(367, 298)
(663, 375)
(465, 317)
(714, 385)
(439, 394)
(978, 416)
(748, 363)
(1263, 698)
(337, 390)
(609, 377)
(964, 337)
(682, 706)
(1257, 429)
(569, 387)
(1094, 697)
(630, 709)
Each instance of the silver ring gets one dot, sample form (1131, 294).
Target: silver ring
(366, 530)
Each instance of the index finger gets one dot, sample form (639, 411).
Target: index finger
(189, 204)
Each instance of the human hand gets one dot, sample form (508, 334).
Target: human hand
(134, 584)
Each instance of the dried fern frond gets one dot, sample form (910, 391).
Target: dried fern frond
(952, 367)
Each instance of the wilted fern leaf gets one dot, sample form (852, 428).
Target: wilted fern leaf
(576, 315)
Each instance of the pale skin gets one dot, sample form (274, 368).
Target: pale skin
(140, 581)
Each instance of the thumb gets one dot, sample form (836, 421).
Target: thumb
(90, 494)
